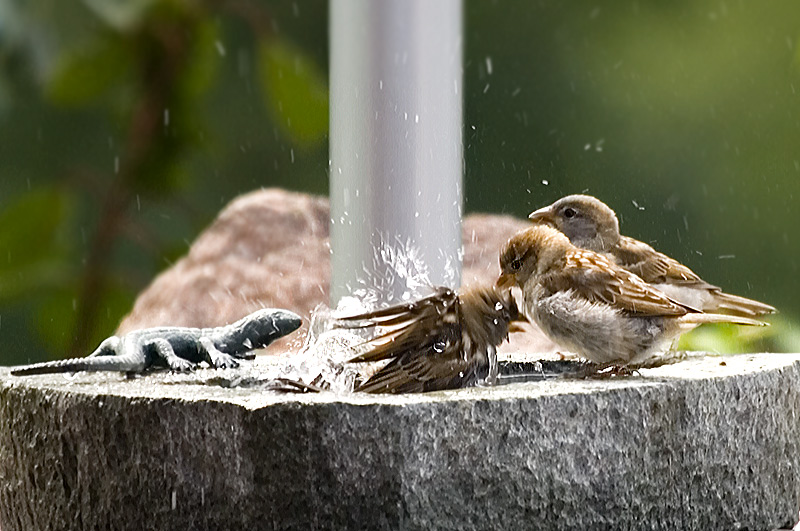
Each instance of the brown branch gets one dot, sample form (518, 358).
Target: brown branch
(166, 50)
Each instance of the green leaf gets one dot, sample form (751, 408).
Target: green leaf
(55, 318)
(31, 253)
(30, 226)
(728, 338)
(295, 90)
(204, 60)
(120, 14)
(84, 75)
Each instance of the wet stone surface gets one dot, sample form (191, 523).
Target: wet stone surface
(705, 443)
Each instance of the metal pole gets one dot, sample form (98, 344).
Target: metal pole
(395, 141)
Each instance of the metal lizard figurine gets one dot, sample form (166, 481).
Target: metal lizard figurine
(178, 348)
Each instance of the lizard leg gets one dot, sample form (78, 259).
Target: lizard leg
(171, 360)
(107, 348)
(494, 368)
(215, 357)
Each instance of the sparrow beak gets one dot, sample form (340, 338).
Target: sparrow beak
(516, 327)
(543, 215)
(506, 281)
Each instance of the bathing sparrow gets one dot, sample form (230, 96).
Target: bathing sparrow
(447, 340)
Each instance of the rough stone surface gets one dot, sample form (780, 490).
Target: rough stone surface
(270, 249)
(707, 443)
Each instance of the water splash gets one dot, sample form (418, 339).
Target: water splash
(398, 272)
(323, 360)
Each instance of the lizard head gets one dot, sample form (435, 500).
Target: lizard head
(264, 326)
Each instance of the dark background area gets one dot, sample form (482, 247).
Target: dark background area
(126, 126)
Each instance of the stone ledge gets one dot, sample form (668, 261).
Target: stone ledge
(694, 445)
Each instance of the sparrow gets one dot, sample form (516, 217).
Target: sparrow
(591, 224)
(589, 305)
(447, 340)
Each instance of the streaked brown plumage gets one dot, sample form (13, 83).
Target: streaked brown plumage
(445, 341)
(591, 306)
(591, 224)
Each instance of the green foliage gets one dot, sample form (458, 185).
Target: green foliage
(202, 65)
(783, 335)
(114, 103)
(85, 75)
(54, 318)
(32, 243)
(121, 15)
(295, 91)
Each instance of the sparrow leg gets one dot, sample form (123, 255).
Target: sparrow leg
(215, 357)
(611, 370)
(603, 370)
(622, 371)
(288, 385)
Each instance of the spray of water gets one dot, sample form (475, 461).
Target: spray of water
(322, 362)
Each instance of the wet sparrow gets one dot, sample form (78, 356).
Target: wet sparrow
(590, 306)
(447, 340)
(591, 224)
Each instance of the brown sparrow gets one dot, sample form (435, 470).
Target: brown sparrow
(591, 224)
(447, 340)
(589, 305)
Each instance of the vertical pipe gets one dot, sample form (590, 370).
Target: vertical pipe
(395, 140)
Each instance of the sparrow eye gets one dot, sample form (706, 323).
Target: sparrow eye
(569, 213)
(516, 264)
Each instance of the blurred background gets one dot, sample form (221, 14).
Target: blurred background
(126, 125)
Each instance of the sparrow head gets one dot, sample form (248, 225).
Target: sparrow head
(531, 253)
(486, 313)
(588, 222)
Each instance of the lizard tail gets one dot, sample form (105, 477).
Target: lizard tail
(99, 363)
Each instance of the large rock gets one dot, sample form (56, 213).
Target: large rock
(270, 249)
(708, 443)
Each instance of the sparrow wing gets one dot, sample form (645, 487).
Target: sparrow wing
(433, 365)
(654, 267)
(598, 280)
(404, 325)
(440, 342)
(441, 299)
